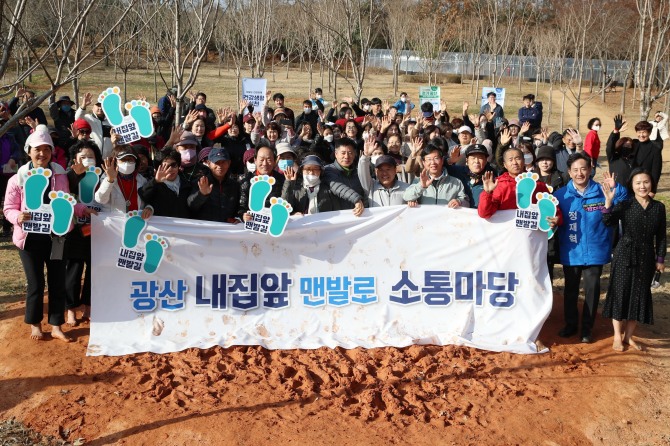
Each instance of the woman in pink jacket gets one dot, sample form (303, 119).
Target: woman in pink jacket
(36, 249)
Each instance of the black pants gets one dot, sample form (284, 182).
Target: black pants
(74, 294)
(573, 275)
(6, 225)
(34, 257)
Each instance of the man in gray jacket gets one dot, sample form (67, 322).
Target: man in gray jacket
(385, 189)
(435, 186)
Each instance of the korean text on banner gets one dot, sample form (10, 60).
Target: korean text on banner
(430, 94)
(384, 279)
(253, 90)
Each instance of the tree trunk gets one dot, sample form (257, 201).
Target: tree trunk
(622, 107)
(562, 110)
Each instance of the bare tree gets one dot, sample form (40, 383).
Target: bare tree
(60, 46)
(652, 78)
(357, 31)
(399, 20)
(186, 40)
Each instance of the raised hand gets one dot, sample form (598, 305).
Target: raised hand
(608, 191)
(243, 104)
(31, 122)
(618, 122)
(455, 155)
(610, 179)
(443, 105)
(576, 138)
(505, 137)
(161, 173)
(525, 127)
(319, 128)
(290, 173)
(86, 100)
(190, 117)
(110, 168)
(78, 167)
(73, 131)
(369, 145)
(204, 186)
(417, 146)
(466, 105)
(385, 105)
(386, 123)
(175, 135)
(488, 182)
(114, 137)
(424, 179)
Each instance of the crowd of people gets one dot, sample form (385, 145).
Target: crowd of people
(347, 155)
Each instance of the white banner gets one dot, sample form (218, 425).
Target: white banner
(253, 90)
(393, 277)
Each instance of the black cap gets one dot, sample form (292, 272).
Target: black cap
(64, 99)
(200, 107)
(477, 149)
(312, 160)
(545, 152)
(218, 154)
(386, 159)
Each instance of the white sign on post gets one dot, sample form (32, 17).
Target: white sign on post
(253, 90)
(430, 94)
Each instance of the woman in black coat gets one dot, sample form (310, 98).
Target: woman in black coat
(168, 191)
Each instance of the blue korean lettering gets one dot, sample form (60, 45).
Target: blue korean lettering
(313, 291)
(243, 291)
(406, 287)
(437, 288)
(275, 290)
(173, 300)
(143, 295)
(218, 299)
(364, 291)
(338, 290)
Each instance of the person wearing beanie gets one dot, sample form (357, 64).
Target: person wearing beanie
(99, 126)
(39, 250)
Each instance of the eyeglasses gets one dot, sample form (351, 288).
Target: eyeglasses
(85, 132)
(170, 166)
(433, 160)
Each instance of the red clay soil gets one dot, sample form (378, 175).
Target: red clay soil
(576, 394)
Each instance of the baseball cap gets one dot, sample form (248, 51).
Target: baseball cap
(218, 154)
(477, 149)
(465, 128)
(386, 159)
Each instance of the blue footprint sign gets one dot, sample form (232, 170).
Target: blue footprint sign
(135, 125)
(272, 220)
(134, 256)
(531, 215)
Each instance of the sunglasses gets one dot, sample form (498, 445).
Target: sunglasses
(85, 132)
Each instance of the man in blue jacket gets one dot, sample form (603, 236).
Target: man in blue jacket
(585, 242)
(531, 112)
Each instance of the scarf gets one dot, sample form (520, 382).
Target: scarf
(173, 185)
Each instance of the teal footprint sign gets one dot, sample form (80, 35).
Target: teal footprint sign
(272, 220)
(534, 216)
(135, 255)
(132, 127)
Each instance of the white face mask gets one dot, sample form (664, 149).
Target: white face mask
(365, 136)
(595, 127)
(318, 96)
(251, 167)
(329, 138)
(88, 162)
(403, 99)
(366, 107)
(374, 159)
(307, 110)
(311, 180)
(126, 168)
(528, 158)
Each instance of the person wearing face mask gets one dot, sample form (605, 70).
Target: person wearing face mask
(265, 161)
(249, 163)
(38, 251)
(120, 184)
(385, 189)
(216, 195)
(323, 144)
(620, 157)
(99, 125)
(402, 104)
(187, 148)
(309, 115)
(286, 156)
(592, 142)
(307, 191)
(77, 251)
(62, 114)
(528, 155)
(317, 98)
(236, 143)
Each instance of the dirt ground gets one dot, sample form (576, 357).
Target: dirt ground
(575, 394)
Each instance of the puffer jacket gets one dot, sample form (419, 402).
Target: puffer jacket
(448, 188)
(339, 178)
(583, 237)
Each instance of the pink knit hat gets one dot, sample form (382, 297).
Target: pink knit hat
(39, 137)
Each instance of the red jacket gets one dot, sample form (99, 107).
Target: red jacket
(592, 145)
(503, 197)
